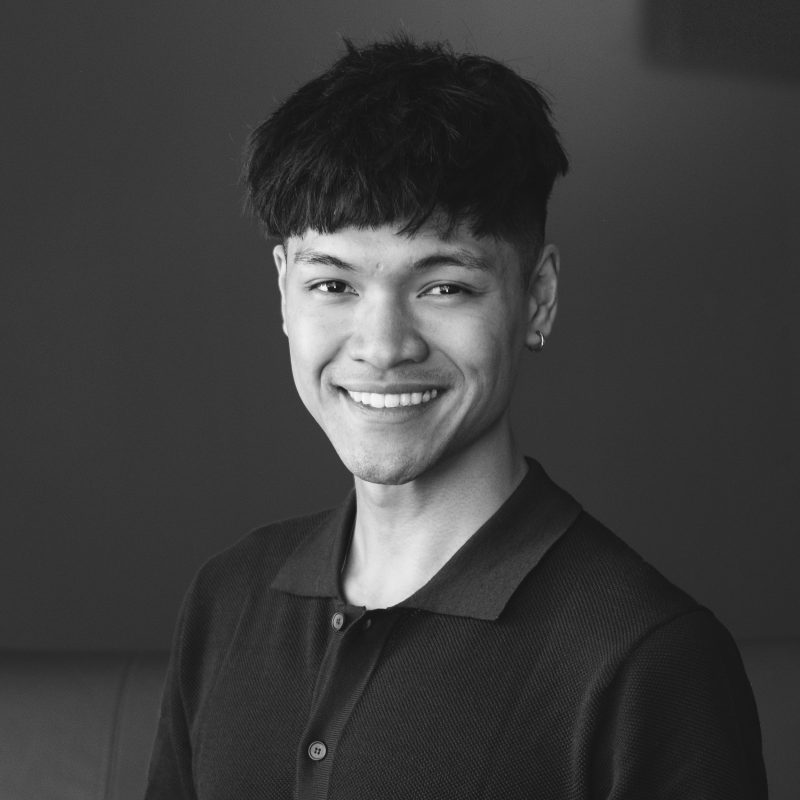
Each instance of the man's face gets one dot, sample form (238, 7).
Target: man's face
(405, 349)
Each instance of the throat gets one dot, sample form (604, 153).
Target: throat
(404, 534)
(381, 571)
(374, 586)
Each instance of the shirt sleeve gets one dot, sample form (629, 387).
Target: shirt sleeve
(170, 772)
(681, 721)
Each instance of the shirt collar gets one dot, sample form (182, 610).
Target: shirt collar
(477, 581)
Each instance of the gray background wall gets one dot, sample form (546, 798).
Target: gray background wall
(147, 408)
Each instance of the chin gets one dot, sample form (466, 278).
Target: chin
(389, 469)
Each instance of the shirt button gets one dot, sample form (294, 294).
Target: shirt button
(337, 621)
(317, 751)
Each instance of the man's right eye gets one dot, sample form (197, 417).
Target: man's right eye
(331, 287)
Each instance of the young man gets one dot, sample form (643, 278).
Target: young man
(459, 627)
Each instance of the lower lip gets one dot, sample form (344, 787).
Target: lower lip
(394, 412)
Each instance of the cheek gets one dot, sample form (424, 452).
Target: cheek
(486, 356)
(494, 359)
(496, 340)
(311, 346)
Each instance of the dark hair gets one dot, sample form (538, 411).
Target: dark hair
(398, 132)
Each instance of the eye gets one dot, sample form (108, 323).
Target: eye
(441, 289)
(331, 287)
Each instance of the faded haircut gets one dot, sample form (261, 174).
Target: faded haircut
(403, 133)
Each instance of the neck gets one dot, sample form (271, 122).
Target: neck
(405, 534)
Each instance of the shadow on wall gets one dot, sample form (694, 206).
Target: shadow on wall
(750, 37)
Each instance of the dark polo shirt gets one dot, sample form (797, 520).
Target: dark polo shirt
(544, 660)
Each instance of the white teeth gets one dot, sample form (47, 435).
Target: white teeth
(375, 400)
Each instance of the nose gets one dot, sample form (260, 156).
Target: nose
(385, 333)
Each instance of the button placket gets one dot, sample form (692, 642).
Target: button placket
(352, 655)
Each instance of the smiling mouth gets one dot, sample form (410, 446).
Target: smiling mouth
(376, 400)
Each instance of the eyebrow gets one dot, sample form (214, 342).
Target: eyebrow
(458, 258)
(323, 259)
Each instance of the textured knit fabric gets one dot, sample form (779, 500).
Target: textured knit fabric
(545, 660)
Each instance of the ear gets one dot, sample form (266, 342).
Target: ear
(280, 256)
(543, 295)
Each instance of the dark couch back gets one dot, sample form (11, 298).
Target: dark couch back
(77, 726)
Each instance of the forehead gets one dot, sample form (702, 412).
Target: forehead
(387, 247)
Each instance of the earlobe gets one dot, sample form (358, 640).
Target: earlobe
(279, 256)
(543, 298)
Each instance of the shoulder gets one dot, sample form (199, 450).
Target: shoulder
(680, 696)
(236, 577)
(612, 615)
(256, 558)
(616, 575)
(225, 587)
(601, 593)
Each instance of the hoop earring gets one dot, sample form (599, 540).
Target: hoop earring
(537, 348)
